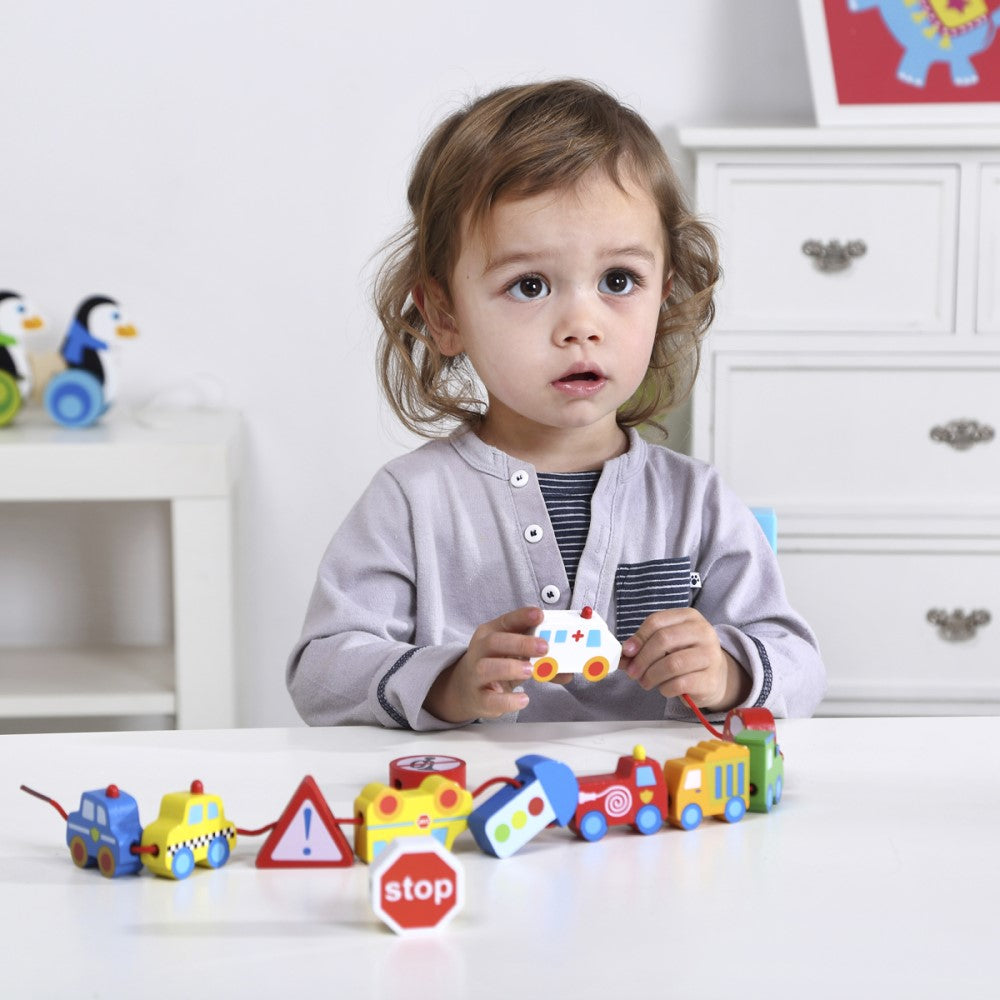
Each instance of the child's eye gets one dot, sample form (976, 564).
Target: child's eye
(531, 286)
(618, 282)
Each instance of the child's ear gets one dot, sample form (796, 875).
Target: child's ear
(668, 287)
(432, 303)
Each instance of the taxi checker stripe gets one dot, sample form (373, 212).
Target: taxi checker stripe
(203, 841)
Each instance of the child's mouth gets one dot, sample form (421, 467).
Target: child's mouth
(583, 383)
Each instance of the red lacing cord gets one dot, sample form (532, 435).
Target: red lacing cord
(52, 802)
(495, 781)
(256, 833)
(701, 718)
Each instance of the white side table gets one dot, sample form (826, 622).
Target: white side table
(189, 460)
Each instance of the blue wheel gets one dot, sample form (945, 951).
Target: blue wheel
(218, 852)
(182, 863)
(593, 826)
(74, 398)
(779, 783)
(735, 810)
(691, 816)
(648, 819)
(769, 798)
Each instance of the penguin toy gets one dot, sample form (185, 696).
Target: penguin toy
(89, 342)
(17, 315)
(78, 396)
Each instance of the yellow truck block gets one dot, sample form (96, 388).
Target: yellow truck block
(711, 779)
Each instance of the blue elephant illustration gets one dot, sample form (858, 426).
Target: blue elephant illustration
(931, 31)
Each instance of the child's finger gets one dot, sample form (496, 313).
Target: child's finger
(520, 621)
(513, 646)
(497, 670)
(495, 703)
(679, 633)
(674, 668)
(655, 623)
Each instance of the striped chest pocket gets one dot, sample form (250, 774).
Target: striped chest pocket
(642, 588)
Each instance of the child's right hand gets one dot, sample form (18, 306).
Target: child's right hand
(480, 685)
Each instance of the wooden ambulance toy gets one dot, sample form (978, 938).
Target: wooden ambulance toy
(580, 642)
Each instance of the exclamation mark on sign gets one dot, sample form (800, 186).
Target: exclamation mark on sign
(307, 815)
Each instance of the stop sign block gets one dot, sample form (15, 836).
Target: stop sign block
(416, 884)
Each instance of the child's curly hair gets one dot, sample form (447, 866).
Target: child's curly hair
(519, 142)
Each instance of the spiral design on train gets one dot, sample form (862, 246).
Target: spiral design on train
(617, 801)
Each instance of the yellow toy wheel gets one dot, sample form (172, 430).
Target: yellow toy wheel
(596, 668)
(545, 669)
(10, 398)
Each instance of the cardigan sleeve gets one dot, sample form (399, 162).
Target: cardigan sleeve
(356, 660)
(743, 596)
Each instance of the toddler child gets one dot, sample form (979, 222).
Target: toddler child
(548, 296)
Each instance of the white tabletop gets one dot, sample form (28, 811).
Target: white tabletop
(877, 875)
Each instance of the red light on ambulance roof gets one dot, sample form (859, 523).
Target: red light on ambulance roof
(587, 612)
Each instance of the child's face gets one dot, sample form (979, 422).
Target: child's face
(557, 307)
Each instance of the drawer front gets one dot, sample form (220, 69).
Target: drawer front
(989, 252)
(870, 608)
(853, 433)
(904, 282)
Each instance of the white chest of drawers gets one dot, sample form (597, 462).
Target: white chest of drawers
(852, 382)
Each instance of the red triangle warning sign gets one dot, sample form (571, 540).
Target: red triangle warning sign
(306, 834)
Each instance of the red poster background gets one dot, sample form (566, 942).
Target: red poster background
(865, 56)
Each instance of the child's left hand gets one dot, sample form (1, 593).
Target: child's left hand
(677, 652)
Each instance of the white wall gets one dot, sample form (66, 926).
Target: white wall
(226, 168)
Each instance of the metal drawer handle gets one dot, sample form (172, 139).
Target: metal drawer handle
(957, 626)
(963, 434)
(834, 255)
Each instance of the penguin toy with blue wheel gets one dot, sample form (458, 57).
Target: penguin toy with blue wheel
(80, 395)
(17, 316)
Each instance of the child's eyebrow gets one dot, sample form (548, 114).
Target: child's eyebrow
(642, 252)
(527, 258)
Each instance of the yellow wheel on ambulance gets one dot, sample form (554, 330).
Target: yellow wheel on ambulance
(545, 669)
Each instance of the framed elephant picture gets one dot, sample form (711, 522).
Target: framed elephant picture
(904, 62)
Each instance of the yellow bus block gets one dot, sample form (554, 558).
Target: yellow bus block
(438, 808)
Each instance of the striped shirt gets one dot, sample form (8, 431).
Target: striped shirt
(567, 499)
(642, 588)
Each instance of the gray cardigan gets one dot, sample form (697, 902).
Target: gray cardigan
(456, 533)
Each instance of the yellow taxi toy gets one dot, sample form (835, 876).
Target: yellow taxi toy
(191, 829)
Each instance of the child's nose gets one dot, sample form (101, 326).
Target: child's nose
(578, 322)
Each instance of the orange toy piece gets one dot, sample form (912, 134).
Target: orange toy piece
(711, 779)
